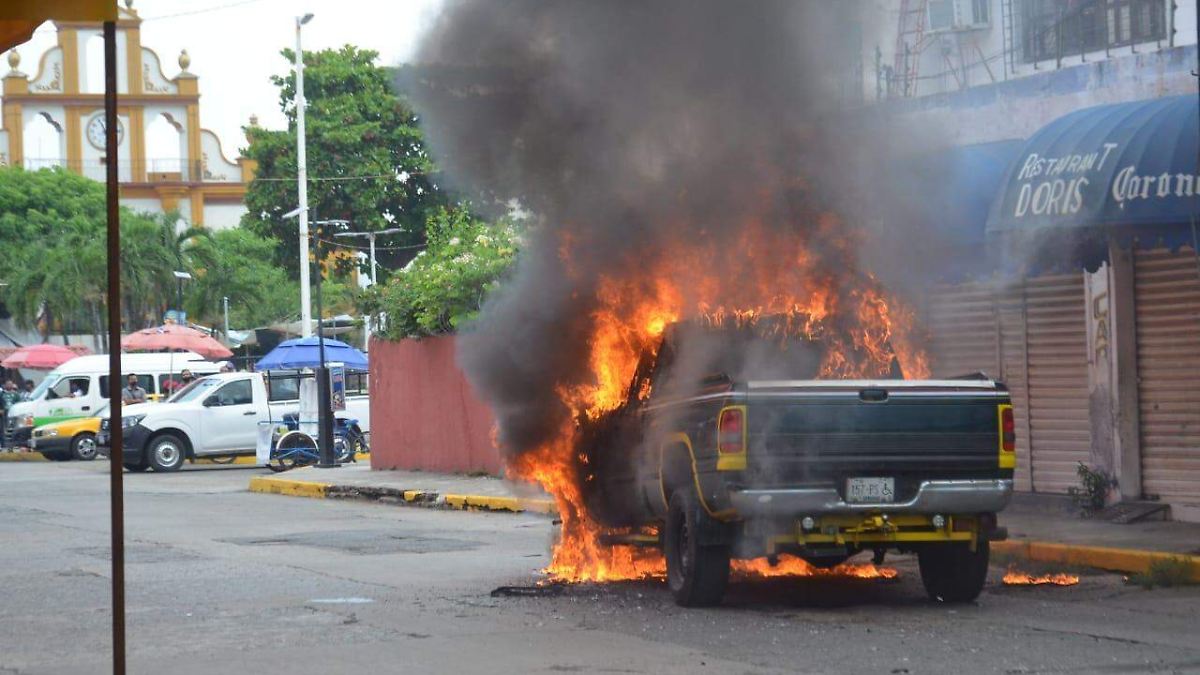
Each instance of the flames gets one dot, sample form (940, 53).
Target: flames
(1014, 577)
(805, 279)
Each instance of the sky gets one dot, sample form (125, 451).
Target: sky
(234, 45)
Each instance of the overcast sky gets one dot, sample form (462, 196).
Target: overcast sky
(234, 45)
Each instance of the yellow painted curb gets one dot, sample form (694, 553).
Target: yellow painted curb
(1133, 561)
(285, 486)
(488, 503)
(22, 457)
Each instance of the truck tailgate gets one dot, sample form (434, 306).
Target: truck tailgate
(822, 433)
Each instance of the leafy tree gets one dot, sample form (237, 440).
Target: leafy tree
(54, 260)
(237, 264)
(445, 285)
(356, 125)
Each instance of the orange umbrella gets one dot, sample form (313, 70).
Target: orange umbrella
(174, 337)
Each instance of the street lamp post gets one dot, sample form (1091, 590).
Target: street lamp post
(225, 304)
(374, 279)
(302, 182)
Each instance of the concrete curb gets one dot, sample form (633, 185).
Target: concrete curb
(250, 460)
(22, 457)
(1132, 561)
(318, 490)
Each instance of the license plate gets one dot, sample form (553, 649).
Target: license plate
(871, 490)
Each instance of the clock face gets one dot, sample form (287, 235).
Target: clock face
(96, 128)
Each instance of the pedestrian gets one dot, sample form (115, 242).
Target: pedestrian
(133, 392)
(27, 393)
(186, 377)
(8, 398)
(226, 367)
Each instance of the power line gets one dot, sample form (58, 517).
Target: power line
(390, 176)
(364, 249)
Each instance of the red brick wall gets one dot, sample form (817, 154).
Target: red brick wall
(423, 412)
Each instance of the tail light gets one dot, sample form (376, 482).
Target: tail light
(1008, 430)
(731, 431)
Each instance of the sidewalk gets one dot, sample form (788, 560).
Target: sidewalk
(1040, 528)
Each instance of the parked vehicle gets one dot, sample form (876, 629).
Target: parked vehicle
(215, 416)
(69, 439)
(728, 465)
(79, 388)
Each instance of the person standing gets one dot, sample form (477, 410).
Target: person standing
(8, 398)
(133, 392)
(27, 393)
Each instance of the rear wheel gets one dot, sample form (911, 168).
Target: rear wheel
(83, 446)
(697, 573)
(166, 453)
(136, 467)
(953, 572)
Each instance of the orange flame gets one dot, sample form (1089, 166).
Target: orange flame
(1013, 577)
(765, 272)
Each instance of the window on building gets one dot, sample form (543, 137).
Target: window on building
(1052, 29)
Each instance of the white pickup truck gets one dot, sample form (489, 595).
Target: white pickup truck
(215, 416)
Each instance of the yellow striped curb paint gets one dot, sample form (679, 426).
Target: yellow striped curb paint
(22, 457)
(285, 486)
(318, 490)
(490, 503)
(1133, 561)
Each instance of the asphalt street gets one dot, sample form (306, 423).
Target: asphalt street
(221, 580)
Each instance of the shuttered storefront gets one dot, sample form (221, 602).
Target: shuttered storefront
(1167, 302)
(1056, 344)
(1033, 337)
(962, 328)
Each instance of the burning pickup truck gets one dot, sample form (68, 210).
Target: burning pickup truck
(729, 447)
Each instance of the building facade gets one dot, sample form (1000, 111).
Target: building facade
(53, 117)
(1094, 321)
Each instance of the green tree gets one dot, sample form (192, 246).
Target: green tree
(445, 285)
(237, 264)
(356, 126)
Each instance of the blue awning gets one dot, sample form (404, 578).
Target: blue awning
(1127, 168)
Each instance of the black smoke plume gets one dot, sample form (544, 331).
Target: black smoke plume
(627, 127)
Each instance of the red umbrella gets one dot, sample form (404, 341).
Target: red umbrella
(175, 337)
(39, 357)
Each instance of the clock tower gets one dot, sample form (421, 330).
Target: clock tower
(181, 168)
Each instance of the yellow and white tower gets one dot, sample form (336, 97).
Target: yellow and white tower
(167, 161)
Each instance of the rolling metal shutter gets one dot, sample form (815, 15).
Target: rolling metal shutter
(962, 328)
(1057, 380)
(1014, 370)
(1167, 301)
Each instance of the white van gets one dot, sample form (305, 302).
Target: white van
(79, 387)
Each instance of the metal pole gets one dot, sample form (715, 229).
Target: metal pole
(324, 396)
(116, 445)
(225, 303)
(373, 279)
(302, 184)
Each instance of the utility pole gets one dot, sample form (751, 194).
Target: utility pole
(302, 182)
(374, 278)
(225, 303)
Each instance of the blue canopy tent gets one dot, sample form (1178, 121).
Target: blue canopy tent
(1126, 170)
(305, 353)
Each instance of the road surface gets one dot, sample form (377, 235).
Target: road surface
(225, 581)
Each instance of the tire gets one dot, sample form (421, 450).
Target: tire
(83, 446)
(952, 572)
(166, 453)
(292, 449)
(56, 456)
(697, 574)
(136, 467)
(343, 451)
(826, 562)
